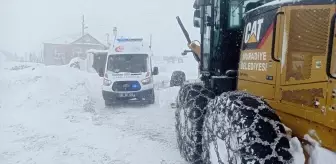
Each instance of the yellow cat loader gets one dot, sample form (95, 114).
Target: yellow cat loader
(265, 65)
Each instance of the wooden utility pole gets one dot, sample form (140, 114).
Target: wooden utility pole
(83, 26)
(108, 40)
(150, 41)
(115, 33)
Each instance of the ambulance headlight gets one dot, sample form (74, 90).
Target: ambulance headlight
(146, 81)
(107, 82)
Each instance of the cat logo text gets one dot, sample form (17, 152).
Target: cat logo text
(252, 31)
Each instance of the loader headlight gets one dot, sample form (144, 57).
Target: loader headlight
(146, 81)
(107, 82)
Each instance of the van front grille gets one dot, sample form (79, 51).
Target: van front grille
(126, 86)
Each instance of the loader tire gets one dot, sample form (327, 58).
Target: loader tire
(152, 97)
(240, 128)
(190, 110)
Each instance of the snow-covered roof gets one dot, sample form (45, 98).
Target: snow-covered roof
(77, 38)
(87, 39)
(275, 2)
(67, 39)
(6, 55)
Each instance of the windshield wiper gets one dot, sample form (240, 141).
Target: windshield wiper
(238, 5)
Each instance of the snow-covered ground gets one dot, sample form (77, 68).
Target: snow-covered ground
(56, 115)
(2, 60)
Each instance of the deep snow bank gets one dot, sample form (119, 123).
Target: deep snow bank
(40, 108)
(82, 64)
(55, 114)
(47, 115)
(318, 155)
(46, 84)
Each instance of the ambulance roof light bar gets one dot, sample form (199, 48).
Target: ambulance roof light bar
(130, 39)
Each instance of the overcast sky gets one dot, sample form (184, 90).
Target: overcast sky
(26, 24)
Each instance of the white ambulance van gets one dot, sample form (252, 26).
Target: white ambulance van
(128, 75)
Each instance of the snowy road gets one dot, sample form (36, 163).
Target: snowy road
(56, 115)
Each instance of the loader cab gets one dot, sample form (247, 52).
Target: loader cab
(221, 29)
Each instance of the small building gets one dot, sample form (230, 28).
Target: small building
(61, 50)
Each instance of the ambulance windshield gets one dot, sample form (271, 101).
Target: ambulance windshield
(133, 63)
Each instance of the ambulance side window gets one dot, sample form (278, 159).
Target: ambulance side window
(109, 63)
(150, 64)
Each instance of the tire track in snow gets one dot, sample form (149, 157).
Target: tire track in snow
(129, 121)
(133, 124)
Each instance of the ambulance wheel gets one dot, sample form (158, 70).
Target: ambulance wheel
(190, 109)
(152, 97)
(241, 128)
(108, 103)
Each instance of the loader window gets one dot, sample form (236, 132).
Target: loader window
(206, 40)
(236, 14)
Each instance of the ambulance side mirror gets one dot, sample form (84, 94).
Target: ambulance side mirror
(155, 71)
(101, 72)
